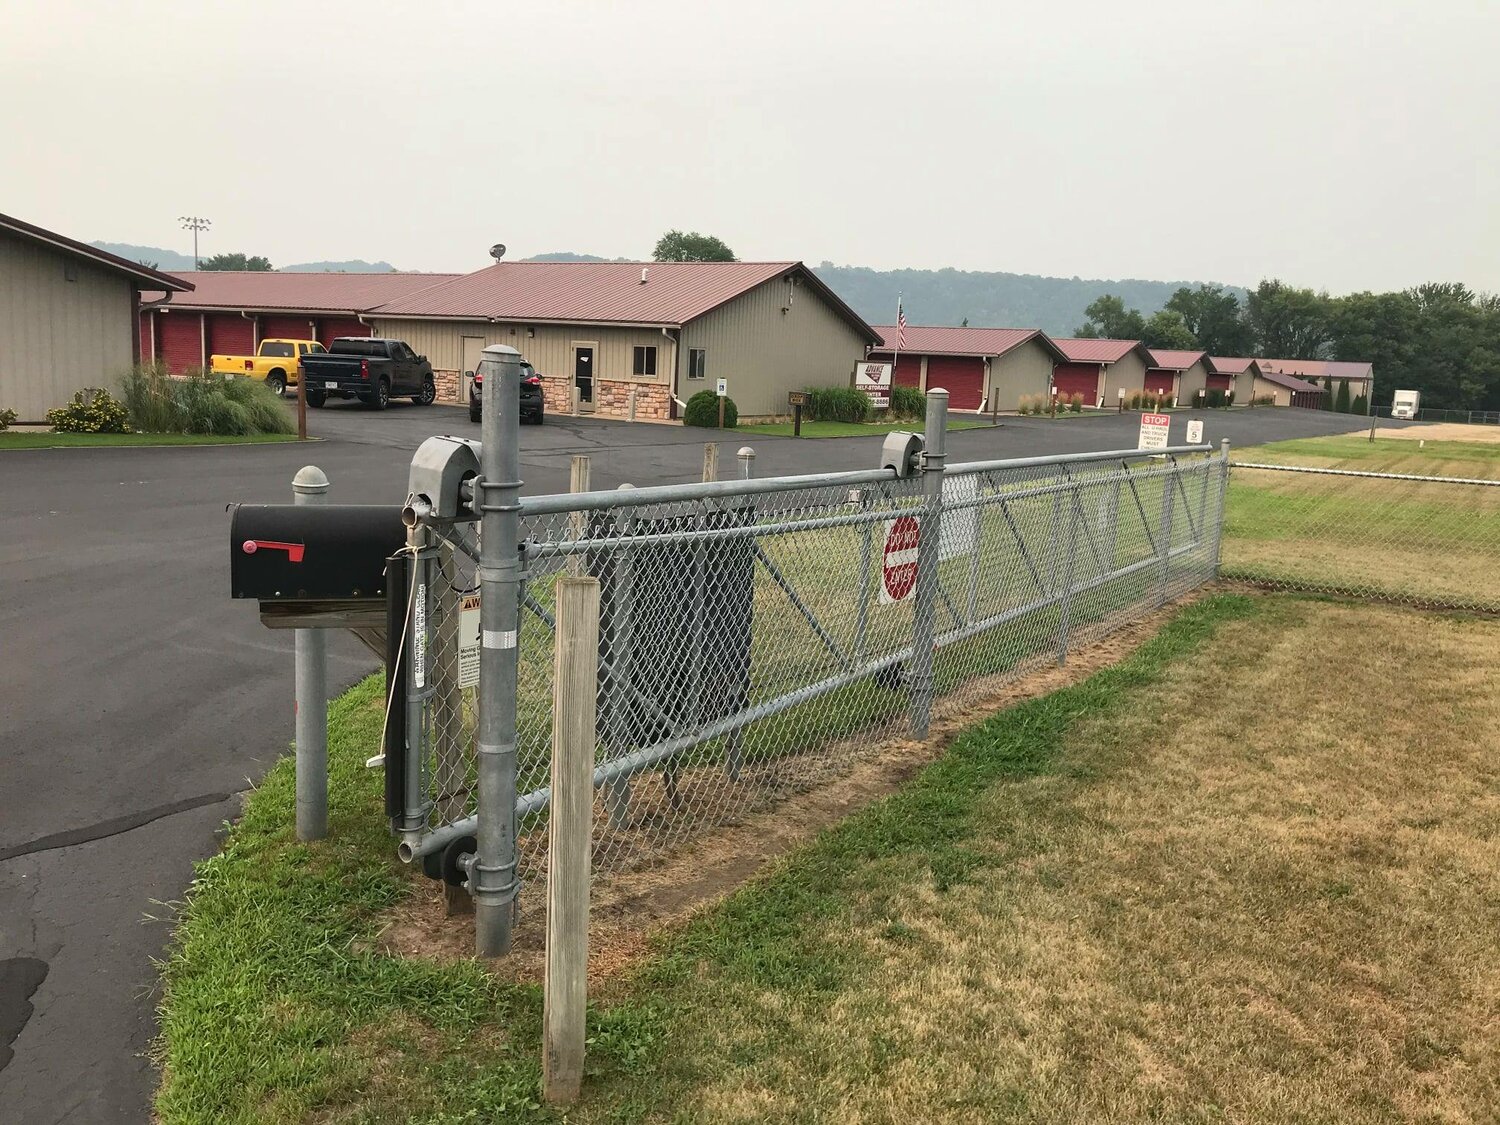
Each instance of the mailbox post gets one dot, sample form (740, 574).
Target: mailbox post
(310, 647)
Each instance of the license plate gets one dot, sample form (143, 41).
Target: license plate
(331, 385)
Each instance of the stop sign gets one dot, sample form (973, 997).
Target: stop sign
(898, 568)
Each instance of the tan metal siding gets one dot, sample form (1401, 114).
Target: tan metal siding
(1193, 380)
(765, 352)
(1128, 374)
(549, 349)
(59, 336)
(1024, 370)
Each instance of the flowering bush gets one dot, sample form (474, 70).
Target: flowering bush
(92, 411)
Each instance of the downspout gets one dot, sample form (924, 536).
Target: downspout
(676, 368)
(202, 339)
(254, 330)
(135, 329)
(150, 308)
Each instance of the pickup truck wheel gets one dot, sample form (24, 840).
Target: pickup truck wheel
(276, 380)
(429, 393)
(315, 398)
(380, 398)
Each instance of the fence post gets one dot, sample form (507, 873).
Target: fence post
(1065, 611)
(747, 462)
(929, 544)
(1165, 535)
(310, 657)
(622, 657)
(575, 668)
(492, 875)
(578, 481)
(710, 461)
(1223, 489)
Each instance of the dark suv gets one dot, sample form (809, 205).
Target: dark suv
(532, 407)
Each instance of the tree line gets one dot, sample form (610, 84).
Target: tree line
(1442, 339)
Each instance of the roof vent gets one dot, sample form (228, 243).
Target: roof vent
(644, 270)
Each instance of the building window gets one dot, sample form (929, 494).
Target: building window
(697, 362)
(645, 360)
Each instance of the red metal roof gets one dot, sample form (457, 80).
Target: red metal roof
(1289, 381)
(144, 274)
(1319, 368)
(1170, 360)
(1229, 365)
(1081, 350)
(253, 290)
(931, 340)
(606, 292)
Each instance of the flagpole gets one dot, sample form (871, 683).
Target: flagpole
(896, 353)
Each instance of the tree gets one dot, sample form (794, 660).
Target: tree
(1110, 319)
(690, 246)
(1288, 323)
(1341, 400)
(1167, 329)
(229, 262)
(1214, 317)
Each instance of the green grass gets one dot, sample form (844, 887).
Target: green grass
(855, 429)
(37, 440)
(277, 1007)
(1383, 455)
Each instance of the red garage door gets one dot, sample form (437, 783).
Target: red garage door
(1160, 382)
(230, 334)
(180, 341)
(961, 375)
(1219, 382)
(1077, 379)
(330, 329)
(908, 370)
(286, 328)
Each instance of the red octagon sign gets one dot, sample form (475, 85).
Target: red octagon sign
(898, 571)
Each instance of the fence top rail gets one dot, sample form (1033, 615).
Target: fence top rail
(681, 493)
(1075, 458)
(1360, 473)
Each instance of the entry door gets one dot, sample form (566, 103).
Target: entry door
(583, 378)
(473, 348)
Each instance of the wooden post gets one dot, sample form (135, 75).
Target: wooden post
(1373, 416)
(574, 716)
(578, 481)
(301, 407)
(721, 412)
(711, 461)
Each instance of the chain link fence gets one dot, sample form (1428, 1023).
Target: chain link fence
(1422, 541)
(756, 646)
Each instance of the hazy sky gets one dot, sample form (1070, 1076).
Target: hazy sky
(1345, 144)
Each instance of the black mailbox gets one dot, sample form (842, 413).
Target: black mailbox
(325, 552)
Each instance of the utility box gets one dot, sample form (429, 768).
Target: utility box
(327, 552)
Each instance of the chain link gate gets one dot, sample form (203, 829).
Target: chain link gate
(758, 636)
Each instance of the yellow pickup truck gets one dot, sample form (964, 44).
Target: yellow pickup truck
(277, 362)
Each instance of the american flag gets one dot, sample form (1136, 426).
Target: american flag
(900, 325)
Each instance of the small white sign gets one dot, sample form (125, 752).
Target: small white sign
(960, 530)
(875, 380)
(468, 641)
(1195, 432)
(721, 388)
(1154, 429)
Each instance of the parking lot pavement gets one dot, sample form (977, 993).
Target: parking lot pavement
(138, 700)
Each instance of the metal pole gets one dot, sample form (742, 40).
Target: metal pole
(928, 546)
(1165, 538)
(310, 646)
(492, 876)
(1223, 488)
(622, 655)
(1065, 613)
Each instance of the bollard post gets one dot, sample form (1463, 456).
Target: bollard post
(711, 461)
(929, 544)
(574, 733)
(492, 874)
(747, 462)
(310, 647)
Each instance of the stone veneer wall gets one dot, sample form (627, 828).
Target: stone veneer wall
(653, 402)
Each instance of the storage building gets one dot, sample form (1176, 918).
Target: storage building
(67, 317)
(1099, 369)
(1179, 375)
(231, 313)
(1233, 373)
(638, 339)
(1327, 373)
(1288, 390)
(980, 368)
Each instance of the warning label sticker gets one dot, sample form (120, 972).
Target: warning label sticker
(468, 641)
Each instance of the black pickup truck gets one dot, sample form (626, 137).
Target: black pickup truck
(369, 369)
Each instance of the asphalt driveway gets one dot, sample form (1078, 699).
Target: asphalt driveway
(139, 701)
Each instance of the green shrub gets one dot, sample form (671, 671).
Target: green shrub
(703, 410)
(1075, 403)
(1263, 400)
(1133, 400)
(202, 403)
(1341, 400)
(908, 402)
(7, 419)
(1216, 399)
(1360, 406)
(92, 411)
(841, 404)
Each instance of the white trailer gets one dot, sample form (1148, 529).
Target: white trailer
(1406, 404)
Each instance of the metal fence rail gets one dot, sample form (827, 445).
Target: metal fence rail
(1439, 414)
(1425, 541)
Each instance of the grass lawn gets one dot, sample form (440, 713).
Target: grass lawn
(856, 429)
(39, 440)
(1109, 903)
(1406, 540)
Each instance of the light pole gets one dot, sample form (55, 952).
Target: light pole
(194, 224)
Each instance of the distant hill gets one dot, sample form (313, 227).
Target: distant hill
(170, 260)
(996, 300)
(569, 256)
